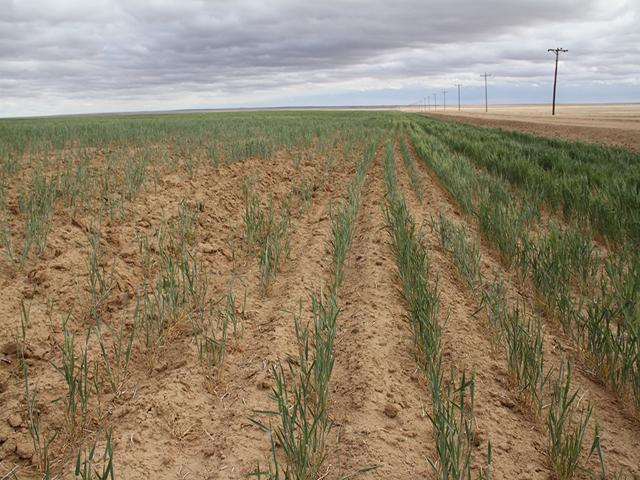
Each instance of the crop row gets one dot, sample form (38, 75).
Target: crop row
(301, 390)
(518, 332)
(589, 184)
(596, 300)
(452, 395)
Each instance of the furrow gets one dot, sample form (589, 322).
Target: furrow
(466, 345)
(620, 431)
(379, 398)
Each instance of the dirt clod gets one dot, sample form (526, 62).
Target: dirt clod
(7, 448)
(14, 420)
(390, 410)
(507, 402)
(9, 348)
(24, 449)
(207, 248)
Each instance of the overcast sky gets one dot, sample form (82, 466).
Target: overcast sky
(73, 56)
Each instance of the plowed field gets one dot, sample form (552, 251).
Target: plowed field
(315, 295)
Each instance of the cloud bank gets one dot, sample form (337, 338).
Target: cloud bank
(73, 56)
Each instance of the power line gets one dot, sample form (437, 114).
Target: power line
(458, 85)
(444, 99)
(415, 104)
(486, 102)
(557, 51)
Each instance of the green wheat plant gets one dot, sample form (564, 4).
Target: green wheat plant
(593, 298)
(344, 216)
(414, 176)
(452, 410)
(40, 441)
(75, 371)
(36, 205)
(116, 355)
(301, 395)
(98, 281)
(92, 467)
(301, 391)
(151, 322)
(211, 344)
(525, 355)
(567, 423)
(265, 234)
(466, 254)
(454, 425)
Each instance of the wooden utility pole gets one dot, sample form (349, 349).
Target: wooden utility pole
(429, 102)
(435, 102)
(444, 99)
(458, 85)
(557, 51)
(486, 102)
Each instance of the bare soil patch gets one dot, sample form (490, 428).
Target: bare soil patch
(615, 125)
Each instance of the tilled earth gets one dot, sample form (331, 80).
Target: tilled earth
(606, 135)
(169, 423)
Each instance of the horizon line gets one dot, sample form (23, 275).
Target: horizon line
(294, 108)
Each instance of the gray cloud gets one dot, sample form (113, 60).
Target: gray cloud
(61, 56)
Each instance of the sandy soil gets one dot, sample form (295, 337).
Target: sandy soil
(619, 428)
(169, 423)
(613, 124)
(380, 399)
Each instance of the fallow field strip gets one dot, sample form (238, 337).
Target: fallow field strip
(315, 295)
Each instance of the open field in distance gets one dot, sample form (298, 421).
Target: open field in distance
(315, 295)
(612, 124)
